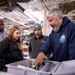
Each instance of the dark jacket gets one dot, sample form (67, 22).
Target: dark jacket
(9, 51)
(61, 43)
(35, 45)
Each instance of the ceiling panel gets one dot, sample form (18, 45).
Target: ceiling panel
(16, 16)
(26, 17)
(39, 4)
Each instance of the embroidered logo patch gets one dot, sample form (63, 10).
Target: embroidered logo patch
(62, 38)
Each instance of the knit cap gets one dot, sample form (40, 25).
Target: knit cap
(37, 25)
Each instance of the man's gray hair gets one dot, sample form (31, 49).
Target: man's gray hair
(55, 12)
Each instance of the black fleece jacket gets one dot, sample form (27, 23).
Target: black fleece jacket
(9, 51)
(35, 44)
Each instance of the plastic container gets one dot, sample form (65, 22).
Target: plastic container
(49, 68)
(4, 73)
(66, 68)
(24, 68)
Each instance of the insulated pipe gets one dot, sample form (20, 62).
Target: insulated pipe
(45, 5)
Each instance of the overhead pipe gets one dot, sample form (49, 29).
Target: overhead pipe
(45, 5)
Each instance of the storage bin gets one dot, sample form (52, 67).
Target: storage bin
(66, 68)
(4, 73)
(24, 67)
(49, 68)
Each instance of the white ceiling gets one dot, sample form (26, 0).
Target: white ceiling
(28, 16)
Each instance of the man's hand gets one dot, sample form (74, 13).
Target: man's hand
(41, 56)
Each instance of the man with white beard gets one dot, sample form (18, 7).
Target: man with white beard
(61, 41)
